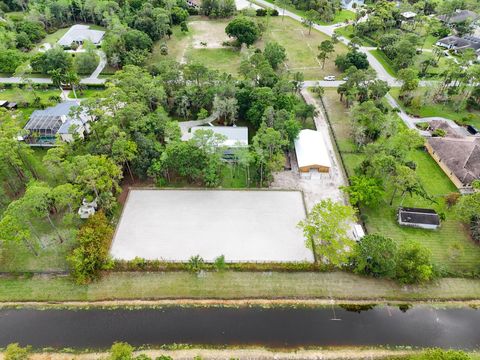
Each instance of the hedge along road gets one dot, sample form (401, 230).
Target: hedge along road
(271, 327)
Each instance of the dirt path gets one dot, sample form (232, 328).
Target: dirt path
(240, 354)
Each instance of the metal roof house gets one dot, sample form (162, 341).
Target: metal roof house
(45, 125)
(79, 33)
(237, 136)
(419, 218)
(311, 151)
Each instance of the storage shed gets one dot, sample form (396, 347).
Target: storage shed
(420, 218)
(312, 153)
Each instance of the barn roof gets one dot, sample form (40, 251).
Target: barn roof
(311, 149)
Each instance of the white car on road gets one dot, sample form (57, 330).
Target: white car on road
(329, 78)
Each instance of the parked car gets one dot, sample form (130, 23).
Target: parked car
(329, 78)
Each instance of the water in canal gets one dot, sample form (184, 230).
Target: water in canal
(274, 327)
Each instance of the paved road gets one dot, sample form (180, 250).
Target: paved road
(329, 30)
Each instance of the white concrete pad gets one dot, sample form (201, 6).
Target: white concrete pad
(241, 225)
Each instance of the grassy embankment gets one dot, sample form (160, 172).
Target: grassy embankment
(451, 246)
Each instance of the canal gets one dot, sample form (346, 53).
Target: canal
(272, 327)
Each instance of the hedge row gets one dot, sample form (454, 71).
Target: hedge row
(158, 265)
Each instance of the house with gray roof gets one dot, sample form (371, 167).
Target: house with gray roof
(458, 157)
(459, 16)
(45, 126)
(78, 34)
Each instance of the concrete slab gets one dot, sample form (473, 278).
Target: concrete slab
(241, 225)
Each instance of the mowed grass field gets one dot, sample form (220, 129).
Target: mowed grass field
(301, 48)
(451, 246)
(232, 285)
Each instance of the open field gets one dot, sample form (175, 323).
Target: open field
(233, 285)
(451, 246)
(175, 225)
(301, 48)
(433, 109)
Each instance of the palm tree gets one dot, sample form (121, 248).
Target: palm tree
(57, 78)
(73, 80)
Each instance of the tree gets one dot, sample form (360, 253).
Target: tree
(368, 121)
(85, 62)
(73, 80)
(375, 255)
(53, 59)
(414, 263)
(406, 180)
(283, 4)
(244, 30)
(58, 78)
(364, 190)
(325, 230)
(275, 54)
(121, 351)
(352, 58)
(91, 256)
(16, 352)
(10, 59)
(311, 16)
(468, 207)
(410, 81)
(267, 150)
(326, 48)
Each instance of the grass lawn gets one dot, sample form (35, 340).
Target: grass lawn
(224, 60)
(386, 63)
(87, 93)
(451, 247)
(301, 48)
(232, 285)
(432, 109)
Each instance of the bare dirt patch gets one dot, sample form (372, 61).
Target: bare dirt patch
(208, 34)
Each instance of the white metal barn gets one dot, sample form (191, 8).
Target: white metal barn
(312, 153)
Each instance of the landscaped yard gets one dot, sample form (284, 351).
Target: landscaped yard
(386, 63)
(24, 98)
(451, 247)
(446, 110)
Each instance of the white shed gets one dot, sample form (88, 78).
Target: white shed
(312, 152)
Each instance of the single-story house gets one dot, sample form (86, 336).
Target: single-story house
(236, 136)
(311, 151)
(79, 33)
(459, 16)
(459, 158)
(44, 126)
(459, 44)
(420, 218)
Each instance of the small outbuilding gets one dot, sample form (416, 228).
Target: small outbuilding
(419, 218)
(311, 151)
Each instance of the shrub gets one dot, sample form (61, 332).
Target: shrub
(475, 228)
(439, 133)
(196, 264)
(219, 263)
(16, 352)
(91, 256)
(375, 255)
(422, 125)
(439, 354)
(164, 49)
(414, 263)
(451, 199)
(121, 351)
